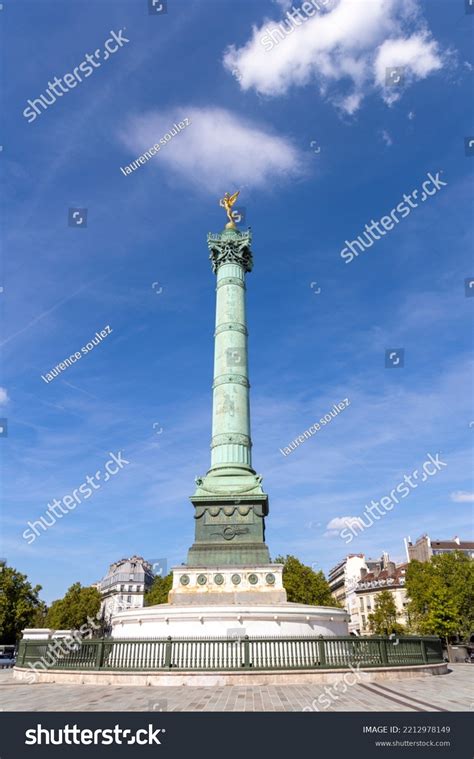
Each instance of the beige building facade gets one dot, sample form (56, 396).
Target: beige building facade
(391, 578)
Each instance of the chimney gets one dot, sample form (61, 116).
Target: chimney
(407, 542)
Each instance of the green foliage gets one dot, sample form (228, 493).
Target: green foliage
(39, 619)
(442, 617)
(158, 592)
(441, 594)
(72, 611)
(19, 604)
(304, 586)
(383, 620)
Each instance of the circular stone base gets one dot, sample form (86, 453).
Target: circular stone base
(219, 679)
(197, 621)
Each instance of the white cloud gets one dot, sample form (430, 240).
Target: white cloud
(462, 496)
(411, 115)
(349, 45)
(218, 146)
(334, 527)
(417, 55)
(386, 138)
(3, 396)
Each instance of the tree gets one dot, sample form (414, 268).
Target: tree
(383, 620)
(158, 592)
(304, 586)
(441, 594)
(79, 605)
(442, 617)
(19, 604)
(39, 618)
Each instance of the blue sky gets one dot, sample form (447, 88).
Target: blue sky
(253, 115)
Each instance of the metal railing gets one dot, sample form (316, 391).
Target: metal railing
(224, 654)
(124, 578)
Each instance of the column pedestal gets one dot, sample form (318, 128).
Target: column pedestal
(225, 585)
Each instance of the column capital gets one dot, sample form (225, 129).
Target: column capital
(230, 247)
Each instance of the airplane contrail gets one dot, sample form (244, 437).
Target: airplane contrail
(45, 313)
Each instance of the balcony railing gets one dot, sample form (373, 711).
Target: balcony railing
(124, 578)
(225, 654)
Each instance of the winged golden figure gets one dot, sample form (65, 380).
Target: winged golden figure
(227, 202)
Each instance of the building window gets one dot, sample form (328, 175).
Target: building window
(129, 599)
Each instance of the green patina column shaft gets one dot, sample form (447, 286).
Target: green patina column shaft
(229, 502)
(231, 444)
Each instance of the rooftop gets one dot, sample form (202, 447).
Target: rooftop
(387, 577)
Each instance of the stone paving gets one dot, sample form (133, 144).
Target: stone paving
(451, 692)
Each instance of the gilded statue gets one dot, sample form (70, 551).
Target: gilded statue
(227, 202)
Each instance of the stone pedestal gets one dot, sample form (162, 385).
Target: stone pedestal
(203, 586)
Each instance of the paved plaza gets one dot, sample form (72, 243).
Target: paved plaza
(451, 692)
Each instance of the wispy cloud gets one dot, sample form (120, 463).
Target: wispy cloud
(217, 145)
(335, 525)
(461, 496)
(386, 137)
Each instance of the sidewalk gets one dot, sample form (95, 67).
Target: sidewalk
(451, 692)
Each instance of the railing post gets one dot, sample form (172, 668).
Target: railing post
(246, 642)
(322, 652)
(439, 646)
(424, 655)
(21, 652)
(168, 652)
(383, 650)
(99, 655)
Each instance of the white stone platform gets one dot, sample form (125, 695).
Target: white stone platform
(254, 620)
(229, 601)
